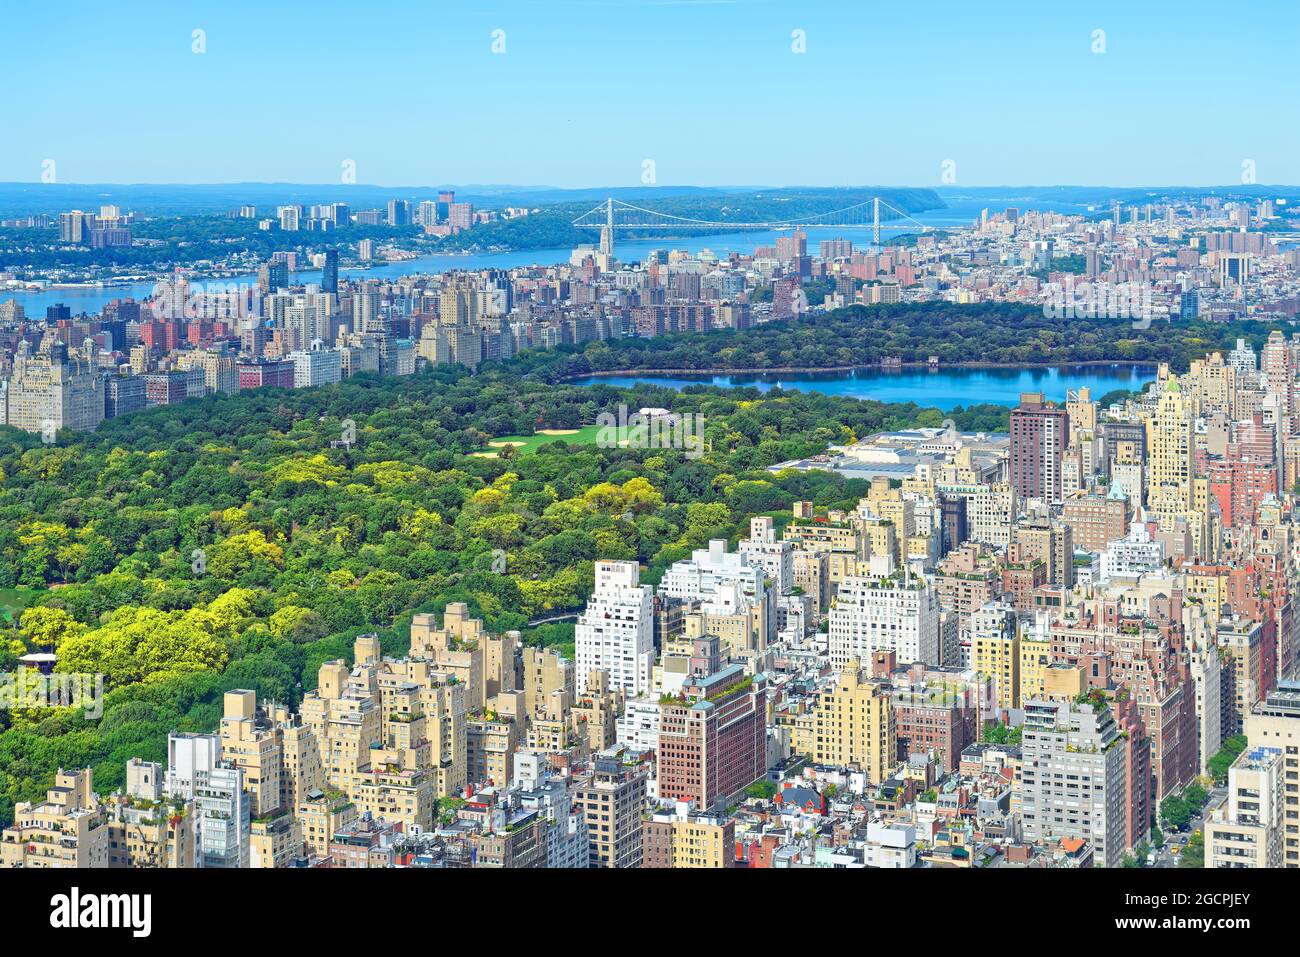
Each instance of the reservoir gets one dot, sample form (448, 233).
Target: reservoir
(944, 388)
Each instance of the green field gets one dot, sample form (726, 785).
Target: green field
(531, 443)
(14, 600)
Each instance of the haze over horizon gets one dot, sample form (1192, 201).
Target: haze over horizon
(667, 187)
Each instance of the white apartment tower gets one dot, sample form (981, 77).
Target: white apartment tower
(615, 632)
(763, 550)
(885, 612)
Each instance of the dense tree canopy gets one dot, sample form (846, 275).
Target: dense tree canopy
(863, 335)
(225, 542)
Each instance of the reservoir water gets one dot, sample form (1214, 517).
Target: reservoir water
(944, 388)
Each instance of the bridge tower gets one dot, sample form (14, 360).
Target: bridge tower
(875, 221)
(607, 231)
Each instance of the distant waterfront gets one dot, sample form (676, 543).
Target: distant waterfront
(960, 212)
(944, 388)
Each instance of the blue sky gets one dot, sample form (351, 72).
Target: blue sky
(586, 90)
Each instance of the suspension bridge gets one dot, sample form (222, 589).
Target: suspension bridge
(874, 214)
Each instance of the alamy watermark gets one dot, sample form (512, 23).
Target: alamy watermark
(183, 299)
(652, 429)
(1100, 300)
(28, 688)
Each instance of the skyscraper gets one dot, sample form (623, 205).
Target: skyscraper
(1039, 434)
(616, 631)
(1172, 451)
(1274, 722)
(330, 273)
(399, 212)
(1073, 777)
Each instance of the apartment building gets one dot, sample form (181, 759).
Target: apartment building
(1275, 723)
(49, 391)
(611, 797)
(1072, 777)
(851, 725)
(712, 742)
(615, 633)
(893, 611)
(995, 651)
(1246, 829)
(685, 838)
(68, 829)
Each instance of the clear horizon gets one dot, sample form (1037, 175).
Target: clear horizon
(941, 189)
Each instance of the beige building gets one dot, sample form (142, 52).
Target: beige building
(320, 815)
(50, 391)
(68, 829)
(461, 647)
(490, 743)
(851, 724)
(1035, 659)
(1275, 723)
(254, 746)
(1245, 829)
(686, 839)
(274, 841)
(391, 733)
(545, 671)
(611, 798)
(995, 651)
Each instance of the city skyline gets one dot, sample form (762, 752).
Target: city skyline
(1069, 97)
(492, 437)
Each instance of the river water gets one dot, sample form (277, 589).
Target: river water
(961, 211)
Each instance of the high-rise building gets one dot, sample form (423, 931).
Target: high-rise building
(1275, 723)
(197, 772)
(852, 724)
(712, 740)
(615, 633)
(726, 586)
(330, 271)
(315, 366)
(611, 798)
(1039, 435)
(995, 651)
(123, 395)
(399, 212)
(76, 226)
(51, 391)
(885, 612)
(221, 808)
(763, 550)
(1245, 830)
(1171, 451)
(1073, 777)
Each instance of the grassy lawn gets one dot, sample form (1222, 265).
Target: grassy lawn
(14, 600)
(531, 443)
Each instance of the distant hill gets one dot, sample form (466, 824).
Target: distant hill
(21, 199)
(552, 225)
(1098, 195)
